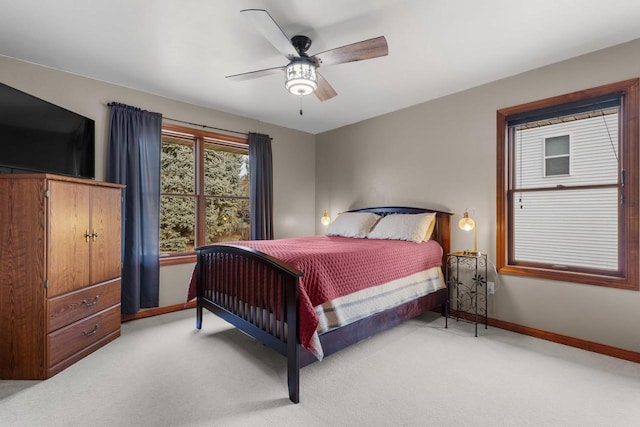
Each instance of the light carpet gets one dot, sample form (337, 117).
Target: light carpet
(163, 372)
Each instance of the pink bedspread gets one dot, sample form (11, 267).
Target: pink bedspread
(336, 266)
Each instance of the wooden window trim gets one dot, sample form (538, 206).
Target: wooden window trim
(628, 222)
(204, 134)
(177, 259)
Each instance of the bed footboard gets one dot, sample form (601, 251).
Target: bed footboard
(256, 293)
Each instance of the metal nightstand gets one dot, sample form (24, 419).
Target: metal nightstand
(466, 276)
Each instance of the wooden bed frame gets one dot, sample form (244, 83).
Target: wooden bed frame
(223, 271)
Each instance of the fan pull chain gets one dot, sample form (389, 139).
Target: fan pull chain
(300, 105)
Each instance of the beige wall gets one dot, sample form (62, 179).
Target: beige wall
(438, 154)
(443, 153)
(293, 151)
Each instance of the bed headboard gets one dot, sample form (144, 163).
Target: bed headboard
(442, 231)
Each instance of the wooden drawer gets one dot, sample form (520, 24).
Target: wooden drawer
(71, 339)
(68, 308)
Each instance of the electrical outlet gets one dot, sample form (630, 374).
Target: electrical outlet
(491, 287)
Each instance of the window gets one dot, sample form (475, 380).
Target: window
(567, 198)
(204, 189)
(556, 155)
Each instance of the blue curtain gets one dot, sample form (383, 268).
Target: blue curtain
(260, 187)
(133, 159)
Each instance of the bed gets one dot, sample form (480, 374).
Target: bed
(268, 296)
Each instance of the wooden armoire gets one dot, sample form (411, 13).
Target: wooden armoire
(60, 268)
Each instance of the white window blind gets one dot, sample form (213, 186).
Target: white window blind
(567, 219)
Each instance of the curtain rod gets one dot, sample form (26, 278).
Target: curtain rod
(205, 126)
(199, 125)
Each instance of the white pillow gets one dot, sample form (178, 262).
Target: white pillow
(352, 224)
(411, 227)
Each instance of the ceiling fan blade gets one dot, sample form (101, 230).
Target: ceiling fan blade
(324, 91)
(254, 74)
(271, 31)
(366, 49)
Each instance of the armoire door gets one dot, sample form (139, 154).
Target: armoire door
(68, 237)
(106, 237)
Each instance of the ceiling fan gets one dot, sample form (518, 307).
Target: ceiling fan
(301, 75)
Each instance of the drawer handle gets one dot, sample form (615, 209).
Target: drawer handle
(92, 302)
(93, 331)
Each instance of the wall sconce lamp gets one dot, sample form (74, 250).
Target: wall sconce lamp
(326, 219)
(468, 224)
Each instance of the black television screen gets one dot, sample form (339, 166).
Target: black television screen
(37, 136)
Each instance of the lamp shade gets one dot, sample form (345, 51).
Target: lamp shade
(300, 77)
(466, 223)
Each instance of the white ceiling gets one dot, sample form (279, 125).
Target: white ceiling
(183, 49)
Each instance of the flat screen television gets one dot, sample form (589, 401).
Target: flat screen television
(37, 136)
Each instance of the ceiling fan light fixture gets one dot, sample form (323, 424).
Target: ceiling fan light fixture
(300, 77)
